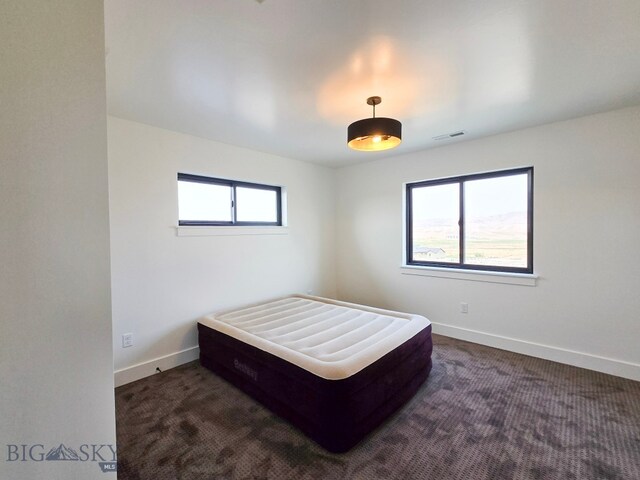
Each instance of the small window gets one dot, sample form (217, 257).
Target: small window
(215, 201)
(478, 222)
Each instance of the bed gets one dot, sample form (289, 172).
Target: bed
(335, 370)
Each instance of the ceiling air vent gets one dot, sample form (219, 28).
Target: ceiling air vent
(450, 135)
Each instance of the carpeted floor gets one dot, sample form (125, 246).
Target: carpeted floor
(483, 414)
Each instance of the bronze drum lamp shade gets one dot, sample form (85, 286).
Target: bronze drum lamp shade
(376, 133)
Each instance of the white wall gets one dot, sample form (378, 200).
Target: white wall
(162, 282)
(56, 363)
(586, 243)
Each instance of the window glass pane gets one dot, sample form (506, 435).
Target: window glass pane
(496, 221)
(256, 205)
(204, 202)
(436, 211)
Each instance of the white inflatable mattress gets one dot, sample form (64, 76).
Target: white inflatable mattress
(328, 338)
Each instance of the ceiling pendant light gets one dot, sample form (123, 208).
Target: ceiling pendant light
(374, 134)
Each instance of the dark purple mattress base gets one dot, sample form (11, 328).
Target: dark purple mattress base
(336, 414)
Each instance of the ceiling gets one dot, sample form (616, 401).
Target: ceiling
(287, 76)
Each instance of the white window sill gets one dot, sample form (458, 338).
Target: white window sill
(206, 231)
(524, 279)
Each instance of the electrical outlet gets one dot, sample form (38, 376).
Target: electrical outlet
(127, 340)
(464, 307)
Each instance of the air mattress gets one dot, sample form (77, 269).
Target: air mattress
(333, 369)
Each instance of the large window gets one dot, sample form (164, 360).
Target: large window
(479, 222)
(214, 201)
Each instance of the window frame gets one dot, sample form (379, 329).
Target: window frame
(460, 180)
(233, 184)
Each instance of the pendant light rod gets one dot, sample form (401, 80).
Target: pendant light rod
(373, 101)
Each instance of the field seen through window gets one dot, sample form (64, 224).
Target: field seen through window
(495, 230)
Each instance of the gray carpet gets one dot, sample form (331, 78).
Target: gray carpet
(483, 414)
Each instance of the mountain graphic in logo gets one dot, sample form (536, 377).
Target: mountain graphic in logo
(62, 453)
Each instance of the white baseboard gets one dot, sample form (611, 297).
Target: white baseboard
(611, 366)
(146, 369)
